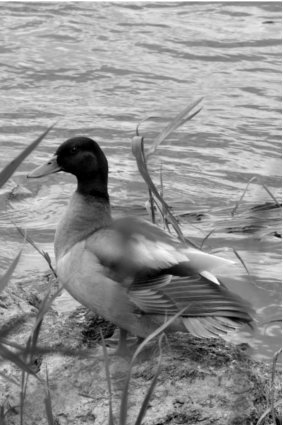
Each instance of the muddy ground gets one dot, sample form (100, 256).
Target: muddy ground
(201, 381)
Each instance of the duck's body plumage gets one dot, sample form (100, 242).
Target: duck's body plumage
(128, 270)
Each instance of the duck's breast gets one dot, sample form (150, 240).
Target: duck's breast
(85, 278)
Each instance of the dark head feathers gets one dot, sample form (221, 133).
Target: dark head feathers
(83, 157)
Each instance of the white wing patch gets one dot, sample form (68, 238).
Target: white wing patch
(203, 262)
(154, 254)
(210, 277)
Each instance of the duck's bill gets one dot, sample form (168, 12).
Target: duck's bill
(49, 167)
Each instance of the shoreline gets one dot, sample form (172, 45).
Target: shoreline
(203, 381)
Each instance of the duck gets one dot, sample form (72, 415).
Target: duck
(128, 270)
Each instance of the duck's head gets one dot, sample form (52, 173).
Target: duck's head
(82, 157)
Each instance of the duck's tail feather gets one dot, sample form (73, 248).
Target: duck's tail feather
(210, 327)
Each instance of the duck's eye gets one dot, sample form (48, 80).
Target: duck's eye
(74, 149)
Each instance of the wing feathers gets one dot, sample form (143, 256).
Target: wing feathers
(197, 328)
(209, 327)
(205, 301)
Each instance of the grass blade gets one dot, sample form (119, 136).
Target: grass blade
(2, 415)
(108, 379)
(23, 396)
(147, 398)
(233, 212)
(44, 254)
(16, 359)
(152, 117)
(47, 402)
(158, 331)
(179, 120)
(244, 265)
(206, 237)
(138, 151)
(45, 304)
(8, 171)
(245, 190)
(151, 202)
(267, 412)
(274, 361)
(271, 195)
(137, 148)
(6, 277)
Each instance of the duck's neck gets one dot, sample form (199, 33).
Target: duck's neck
(96, 188)
(87, 212)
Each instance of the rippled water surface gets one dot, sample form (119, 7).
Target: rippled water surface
(101, 68)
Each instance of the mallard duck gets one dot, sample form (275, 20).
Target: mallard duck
(128, 270)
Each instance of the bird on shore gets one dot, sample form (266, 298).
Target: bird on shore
(128, 270)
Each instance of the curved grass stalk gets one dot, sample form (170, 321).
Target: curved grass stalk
(271, 195)
(6, 277)
(258, 180)
(7, 172)
(233, 212)
(206, 237)
(48, 402)
(141, 159)
(16, 359)
(108, 379)
(178, 121)
(244, 265)
(152, 117)
(272, 404)
(154, 334)
(138, 151)
(150, 390)
(44, 254)
(267, 412)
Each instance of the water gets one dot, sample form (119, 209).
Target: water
(101, 68)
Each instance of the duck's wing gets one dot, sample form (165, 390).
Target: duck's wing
(212, 310)
(133, 246)
(143, 257)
